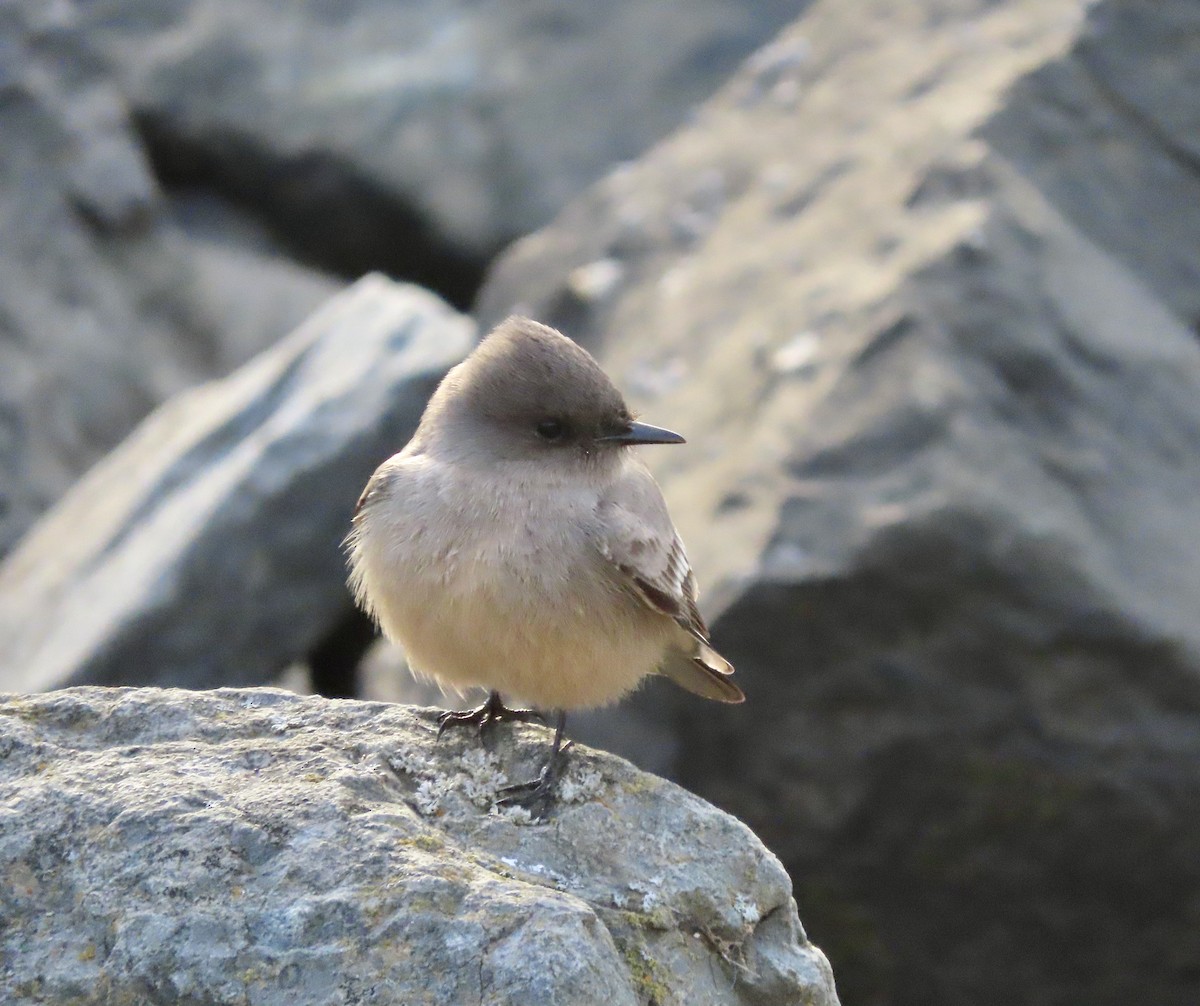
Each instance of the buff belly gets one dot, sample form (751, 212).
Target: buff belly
(482, 627)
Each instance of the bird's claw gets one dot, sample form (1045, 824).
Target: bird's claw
(538, 795)
(485, 716)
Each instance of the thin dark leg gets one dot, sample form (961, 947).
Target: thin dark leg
(559, 727)
(538, 794)
(486, 716)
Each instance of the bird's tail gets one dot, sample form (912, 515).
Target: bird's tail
(704, 672)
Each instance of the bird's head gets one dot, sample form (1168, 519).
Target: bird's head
(529, 392)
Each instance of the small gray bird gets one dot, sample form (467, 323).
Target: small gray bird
(518, 544)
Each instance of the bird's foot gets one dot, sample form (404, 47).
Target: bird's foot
(486, 716)
(538, 795)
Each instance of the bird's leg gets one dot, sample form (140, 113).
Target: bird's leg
(485, 716)
(538, 795)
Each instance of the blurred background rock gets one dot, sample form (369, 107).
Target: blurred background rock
(918, 280)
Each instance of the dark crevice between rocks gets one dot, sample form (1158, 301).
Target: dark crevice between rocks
(319, 208)
(334, 662)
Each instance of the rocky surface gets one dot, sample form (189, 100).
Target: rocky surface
(253, 846)
(206, 549)
(379, 130)
(108, 302)
(918, 286)
(171, 173)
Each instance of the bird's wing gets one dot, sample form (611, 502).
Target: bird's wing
(643, 550)
(362, 499)
(375, 484)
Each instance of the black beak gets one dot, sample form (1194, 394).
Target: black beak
(642, 433)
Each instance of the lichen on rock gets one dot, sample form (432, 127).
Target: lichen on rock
(257, 846)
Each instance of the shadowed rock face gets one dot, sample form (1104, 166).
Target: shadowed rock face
(165, 846)
(909, 291)
(355, 128)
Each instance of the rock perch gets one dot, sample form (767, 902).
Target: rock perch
(260, 847)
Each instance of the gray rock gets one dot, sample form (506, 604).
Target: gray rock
(1111, 136)
(1142, 56)
(416, 138)
(918, 292)
(376, 128)
(247, 290)
(164, 846)
(205, 550)
(107, 307)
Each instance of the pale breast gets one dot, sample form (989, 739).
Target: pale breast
(502, 589)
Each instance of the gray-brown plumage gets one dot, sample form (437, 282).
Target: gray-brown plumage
(517, 543)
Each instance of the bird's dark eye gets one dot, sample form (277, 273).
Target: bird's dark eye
(551, 430)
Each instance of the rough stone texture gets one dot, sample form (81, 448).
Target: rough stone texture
(253, 846)
(917, 286)
(205, 550)
(107, 305)
(367, 130)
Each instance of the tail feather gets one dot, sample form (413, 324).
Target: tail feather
(704, 672)
(707, 655)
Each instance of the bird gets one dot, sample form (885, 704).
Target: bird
(519, 544)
